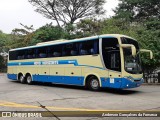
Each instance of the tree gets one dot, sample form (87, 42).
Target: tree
(68, 11)
(1, 62)
(4, 40)
(22, 37)
(147, 34)
(149, 38)
(89, 27)
(146, 15)
(138, 10)
(47, 33)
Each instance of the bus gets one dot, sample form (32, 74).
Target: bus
(102, 61)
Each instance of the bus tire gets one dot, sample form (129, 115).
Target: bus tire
(93, 83)
(29, 80)
(22, 79)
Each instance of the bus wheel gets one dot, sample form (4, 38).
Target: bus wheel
(29, 80)
(93, 83)
(22, 79)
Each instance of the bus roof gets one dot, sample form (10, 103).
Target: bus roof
(61, 41)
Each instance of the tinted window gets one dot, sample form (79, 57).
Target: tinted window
(55, 51)
(40, 52)
(89, 47)
(111, 54)
(30, 54)
(12, 55)
(132, 64)
(129, 41)
(20, 54)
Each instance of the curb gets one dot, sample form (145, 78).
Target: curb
(151, 84)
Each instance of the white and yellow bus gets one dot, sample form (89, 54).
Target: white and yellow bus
(110, 60)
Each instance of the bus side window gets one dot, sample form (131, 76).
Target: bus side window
(34, 53)
(74, 50)
(96, 47)
(56, 51)
(88, 47)
(42, 52)
(56, 54)
(30, 53)
(20, 55)
(49, 51)
(13, 55)
(83, 48)
(67, 49)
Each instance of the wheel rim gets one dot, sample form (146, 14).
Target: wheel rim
(21, 78)
(94, 84)
(29, 79)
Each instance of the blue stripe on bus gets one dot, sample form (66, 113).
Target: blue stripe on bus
(20, 63)
(12, 76)
(59, 62)
(70, 80)
(119, 83)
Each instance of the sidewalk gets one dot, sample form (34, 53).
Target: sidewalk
(151, 84)
(2, 74)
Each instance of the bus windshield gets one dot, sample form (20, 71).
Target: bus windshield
(132, 64)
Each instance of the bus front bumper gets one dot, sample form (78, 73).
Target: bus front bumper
(128, 83)
(121, 83)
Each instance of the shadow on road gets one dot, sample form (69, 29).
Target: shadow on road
(120, 91)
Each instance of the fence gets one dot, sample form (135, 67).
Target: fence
(152, 77)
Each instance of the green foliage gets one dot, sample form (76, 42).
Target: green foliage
(5, 40)
(138, 10)
(22, 37)
(89, 27)
(2, 38)
(144, 15)
(150, 39)
(147, 34)
(136, 18)
(47, 33)
(1, 62)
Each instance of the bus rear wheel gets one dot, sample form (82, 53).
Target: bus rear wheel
(93, 83)
(22, 79)
(29, 80)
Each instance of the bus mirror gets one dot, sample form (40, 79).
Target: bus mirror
(133, 48)
(151, 53)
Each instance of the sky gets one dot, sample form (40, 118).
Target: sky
(14, 12)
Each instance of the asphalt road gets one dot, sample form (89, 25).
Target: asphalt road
(15, 96)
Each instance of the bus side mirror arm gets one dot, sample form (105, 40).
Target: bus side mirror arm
(151, 53)
(133, 48)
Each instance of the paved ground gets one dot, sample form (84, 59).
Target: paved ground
(21, 97)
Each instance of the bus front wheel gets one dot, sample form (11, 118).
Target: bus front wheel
(29, 80)
(93, 83)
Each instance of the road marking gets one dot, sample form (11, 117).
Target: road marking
(18, 105)
(12, 104)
